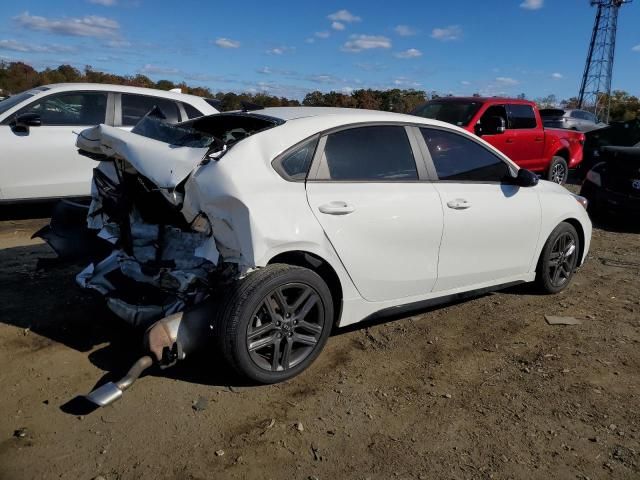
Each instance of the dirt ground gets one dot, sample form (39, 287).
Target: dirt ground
(480, 389)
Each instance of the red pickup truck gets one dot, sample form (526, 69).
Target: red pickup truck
(515, 128)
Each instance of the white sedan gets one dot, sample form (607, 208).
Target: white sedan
(290, 221)
(39, 127)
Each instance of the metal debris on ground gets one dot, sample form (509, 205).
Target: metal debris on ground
(553, 320)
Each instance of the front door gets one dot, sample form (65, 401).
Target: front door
(384, 223)
(43, 161)
(491, 226)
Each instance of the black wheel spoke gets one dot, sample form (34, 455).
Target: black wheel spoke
(304, 339)
(303, 296)
(309, 327)
(286, 354)
(281, 301)
(261, 330)
(263, 342)
(275, 359)
(308, 305)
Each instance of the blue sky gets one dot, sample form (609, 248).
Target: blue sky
(288, 48)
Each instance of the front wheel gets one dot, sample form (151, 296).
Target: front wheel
(274, 323)
(559, 259)
(558, 170)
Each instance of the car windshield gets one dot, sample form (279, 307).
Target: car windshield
(14, 100)
(457, 113)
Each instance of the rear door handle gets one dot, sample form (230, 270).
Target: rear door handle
(459, 204)
(336, 208)
(509, 140)
(538, 139)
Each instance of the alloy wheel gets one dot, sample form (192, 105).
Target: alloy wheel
(558, 173)
(286, 327)
(562, 259)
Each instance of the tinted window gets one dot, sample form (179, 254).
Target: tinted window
(455, 112)
(70, 108)
(458, 158)
(521, 116)
(134, 107)
(295, 164)
(192, 112)
(14, 100)
(370, 153)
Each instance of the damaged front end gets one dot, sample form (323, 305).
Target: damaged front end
(163, 261)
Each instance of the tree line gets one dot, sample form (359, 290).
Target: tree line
(18, 76)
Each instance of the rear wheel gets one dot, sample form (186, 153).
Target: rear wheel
(559, 259)
(275, 323)
(558, 170)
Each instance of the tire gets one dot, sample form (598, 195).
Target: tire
(261, 317)
(559, 259)
(558, 170)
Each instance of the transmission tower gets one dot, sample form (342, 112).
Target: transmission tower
(595, 90)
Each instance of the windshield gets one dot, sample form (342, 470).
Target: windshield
(457, 113)
(14, 100)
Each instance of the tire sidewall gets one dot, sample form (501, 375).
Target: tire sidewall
(544, 279)
(240, 351)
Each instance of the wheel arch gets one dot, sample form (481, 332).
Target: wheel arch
(564, 153)
(575, 223)
(321, 267)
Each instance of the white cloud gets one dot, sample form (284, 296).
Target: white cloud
(151, 69)
(532, 4)
(344, 16)
(405, 30)
(636, 48)
(445, 34)
(357, 43)
(410, 53)
(280, 50)
(557, 76)
(118, 43)
(405, 82)
(89, 26)
(507, 81)
(17, 46)
(338, 26)
(325, 78)
(104, 3)
(466, 83)
(223, 42)
(265, 71)
(322, 34)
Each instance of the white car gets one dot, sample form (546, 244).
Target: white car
(39, 127)
(290, 221)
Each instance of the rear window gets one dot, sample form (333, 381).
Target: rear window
(213, 131)
(191, 111)
(457, 113)
(521, 117)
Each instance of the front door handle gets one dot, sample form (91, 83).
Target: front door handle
(509, 140)
(336, 208)
(459, 204)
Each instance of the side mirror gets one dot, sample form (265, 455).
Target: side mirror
(493, 125)
(21, 123)
(526, 178)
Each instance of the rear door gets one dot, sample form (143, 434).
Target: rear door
(384, 221)
(491, 226)
(527, 137)
(43, 162)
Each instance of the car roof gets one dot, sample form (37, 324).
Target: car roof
(343, 115)
(482, 99)
(63, 87)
